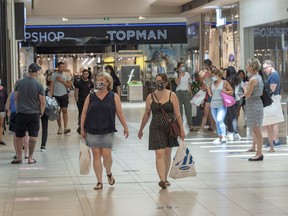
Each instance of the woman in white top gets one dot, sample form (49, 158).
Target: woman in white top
(184, 92)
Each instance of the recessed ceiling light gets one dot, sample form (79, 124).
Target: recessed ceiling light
(64, 19)
(141, 17)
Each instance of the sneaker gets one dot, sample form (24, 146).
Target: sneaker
(67, 130)
(237, 136)
(42, 149)
(223, 140)
(276, 144)
(3, 143)
(200, 132)
(59, 131)
(230, 137)
(217, 141)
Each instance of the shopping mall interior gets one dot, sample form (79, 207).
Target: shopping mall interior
(140, 39)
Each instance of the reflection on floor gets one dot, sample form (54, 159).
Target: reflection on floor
(226, 183)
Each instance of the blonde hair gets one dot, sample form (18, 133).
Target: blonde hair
(254, 64)
(108, 77)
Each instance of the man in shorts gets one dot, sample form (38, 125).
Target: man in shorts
(29, 100)
(60, 82)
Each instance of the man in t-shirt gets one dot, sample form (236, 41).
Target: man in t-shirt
(273, 81)
(82, 88)
(60, 82)
(29, 100)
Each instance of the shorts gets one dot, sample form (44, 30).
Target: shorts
(62, 100)
(100, 140)
(27, 122)
(2, 114)
(12, 122)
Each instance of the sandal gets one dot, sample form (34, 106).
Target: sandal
(32, 162)
(162, 184)
(167, 183)
(16, 161)
(111, 180)
(251, 150)
(271, 150)
(99, 186)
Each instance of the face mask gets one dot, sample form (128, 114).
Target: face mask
(182, 68)
(248, 75)
(159, 86)
(214, 78)
(100, 85)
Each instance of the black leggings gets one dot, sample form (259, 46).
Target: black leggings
(44, 123)
(231, 119)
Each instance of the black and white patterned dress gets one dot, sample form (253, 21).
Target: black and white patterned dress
(159, 130)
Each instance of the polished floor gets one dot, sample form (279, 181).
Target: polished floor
(226, 183)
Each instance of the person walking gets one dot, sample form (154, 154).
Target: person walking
(60, 82)
(184, 93)
(273, 84)
(29, 100)
(82, 88)
(116, 82)
(253, 89)
(98, 125)
(218, 109)
(3, 99)
(159, 139)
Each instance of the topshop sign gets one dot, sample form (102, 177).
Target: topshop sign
(44, 36)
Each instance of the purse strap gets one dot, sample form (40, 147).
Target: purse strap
(164, 114)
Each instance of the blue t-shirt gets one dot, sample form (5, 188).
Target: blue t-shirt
(274, 78)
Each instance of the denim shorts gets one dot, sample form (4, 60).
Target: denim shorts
(100, 140)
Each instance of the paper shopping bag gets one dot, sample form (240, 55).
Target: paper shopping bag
(183, 164)
(84, 158)
(198, 98)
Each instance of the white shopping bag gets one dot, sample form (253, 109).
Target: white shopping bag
(183, 164)
(194, 110)
(273, 114)
(84, 158)
(198, 98)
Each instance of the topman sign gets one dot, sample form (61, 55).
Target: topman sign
(138, 35)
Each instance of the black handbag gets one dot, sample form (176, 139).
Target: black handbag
(266, 98)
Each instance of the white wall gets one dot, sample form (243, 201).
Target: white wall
(254, 13)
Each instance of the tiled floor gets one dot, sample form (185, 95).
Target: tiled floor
(226, 183)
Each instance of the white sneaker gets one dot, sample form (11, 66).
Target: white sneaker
(230, 136)
(200, 132)
(223, 140)
(237, 136)
(59, 131)
(217, 141)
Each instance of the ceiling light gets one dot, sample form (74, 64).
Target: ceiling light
(64, 19)
(141, 17)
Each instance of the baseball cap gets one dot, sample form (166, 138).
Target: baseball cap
(33, 68)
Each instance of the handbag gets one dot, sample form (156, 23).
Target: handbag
(273, 114)
(174, 128)
(266, 98)
(198, 98)
(228, 100)
(84, 158)
(52, 108)
(183, 164)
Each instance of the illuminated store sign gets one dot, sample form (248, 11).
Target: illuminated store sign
(44, 36)
(270, 32)
(220, 21)
(138, 35)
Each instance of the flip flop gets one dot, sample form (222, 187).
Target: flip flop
(16, 162)
(99, 186)
(32, 162)
(251, 150)
(111, 180)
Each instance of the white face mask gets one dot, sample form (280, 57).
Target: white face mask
(214, 78)
(248, 74)
(182, 68)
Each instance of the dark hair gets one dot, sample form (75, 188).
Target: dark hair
(85, 70)
(112, 73)
(232, 77)
(208, 62)
(60, 63)
(178, 65)
(164, 78)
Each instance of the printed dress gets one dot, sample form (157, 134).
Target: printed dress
(254, 105)
(159, 129)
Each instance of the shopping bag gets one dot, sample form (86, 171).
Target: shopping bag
(84, 158)
(52, 108)
(183, 164)
(194, 110)
(273, 114)
(198, 98)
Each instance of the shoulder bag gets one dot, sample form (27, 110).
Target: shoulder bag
(174, 128)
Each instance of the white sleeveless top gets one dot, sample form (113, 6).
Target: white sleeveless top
(184, 82)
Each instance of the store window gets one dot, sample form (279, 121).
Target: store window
(271, 42)
(221, 40)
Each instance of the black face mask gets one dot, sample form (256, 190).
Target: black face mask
(159, 86)
(100, 85)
